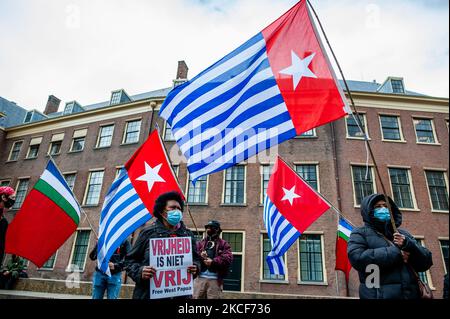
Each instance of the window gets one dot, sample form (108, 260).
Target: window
(168, 136)
(310, 133)
(235, 185)
(28, 117)
(55, 148)
(401, 187)
(105, 136)
(437, 188)
(21, 192)
(5, 183)
(233, 281)
(118, 169)
(176, 169)
(33, 149)
(198, 194)
(115, 98)
(423, 275)
(94, 188)
(78, 140)
(132, 131)
(309, 173)
(70, 180)
(362, 185)
(198, 235)
(311, 259)
(235, 240)
(444, 250)
(266, 248)
(79, 251)
(390, 128)
(353, 130)
(50, 263)
(266, 171)
(15, 151)
(424, 131)
(69, 108)
(397, 86)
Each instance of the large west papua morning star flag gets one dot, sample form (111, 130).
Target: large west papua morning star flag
(290, 207)
(132, 195)
(277, 85)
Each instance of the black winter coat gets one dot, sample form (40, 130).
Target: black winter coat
(118, 258)
(139, 255)
(367, 246)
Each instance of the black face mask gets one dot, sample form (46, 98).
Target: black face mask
(212, 233)
(9, 202)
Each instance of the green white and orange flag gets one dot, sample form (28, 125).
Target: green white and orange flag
(46, 219)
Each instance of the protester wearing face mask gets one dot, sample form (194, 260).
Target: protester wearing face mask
(396, 254)
(7, 200)
(216, 260)
(168, 210)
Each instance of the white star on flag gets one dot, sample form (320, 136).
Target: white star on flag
(299, 68)
(151, 176)
(290, 195)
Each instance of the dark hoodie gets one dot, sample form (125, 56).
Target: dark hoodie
(367, 246)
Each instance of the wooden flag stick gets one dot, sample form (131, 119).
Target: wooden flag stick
(361, 126)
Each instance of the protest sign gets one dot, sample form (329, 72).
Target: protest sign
(171, 257)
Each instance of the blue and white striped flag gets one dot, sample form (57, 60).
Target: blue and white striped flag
(281, 234)
(122, 213)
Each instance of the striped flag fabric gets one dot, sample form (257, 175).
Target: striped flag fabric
(343, 235)
(277, 85)
(131, 197)
(290, 207)
(48, 216)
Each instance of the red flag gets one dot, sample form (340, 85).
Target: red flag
(150, 171)
(302, 70)
(300, 204)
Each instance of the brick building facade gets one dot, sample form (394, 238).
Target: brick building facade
(408, 133)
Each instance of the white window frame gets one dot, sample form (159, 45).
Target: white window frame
(324, 266)
(69, 267)
(442, 255)
(364, 115)
(29, 147)
(245, 187)
(433, 128)
(239, 253)
(421, 240)
(371, 167)
(88, 183)
(316, 164)
(118, 168)
(262, 261)
(17, 188)
(306, 137)
(73, 140)
(100, 132)
(126, 128)
(11, 150)
(400, 128)
(413, 193)
(70, 173)
(261, 179)
(54, 263)
(444, 171)
(164, 133)
(206, 196)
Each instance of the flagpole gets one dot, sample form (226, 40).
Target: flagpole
(176, 178)
(358, 120)
(81, 209)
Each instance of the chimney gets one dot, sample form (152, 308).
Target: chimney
(182, 70)
(52, 105)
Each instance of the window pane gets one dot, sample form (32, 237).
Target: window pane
(401, 187)
(132, 132)
(235, 241)
(55, 148)
(33, 151)
(353, 128)
(50, 263)
(94, 188)
(70, 179)
(15, 151)
(444, 250)
(266, 172)
(266, 271)
(311, 267)
(21, 192)
(234, 185)
(397, 86)
(4, 183)
(363, 185)
(390, 127)
(424, 131)
(197, 193)
(78, 144)
(310, 133)
(80, 248)
(309, 174)
(168, 136)
(105, 138)
(438, 190)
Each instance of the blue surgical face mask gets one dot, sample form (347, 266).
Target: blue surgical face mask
(381, 213)
(174, 217)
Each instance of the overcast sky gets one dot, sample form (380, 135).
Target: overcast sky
(83, 49)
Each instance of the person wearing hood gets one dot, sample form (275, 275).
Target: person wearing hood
(7, 200)
(396, 255)
(168, 210)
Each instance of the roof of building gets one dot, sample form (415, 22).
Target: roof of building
(15, 114)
